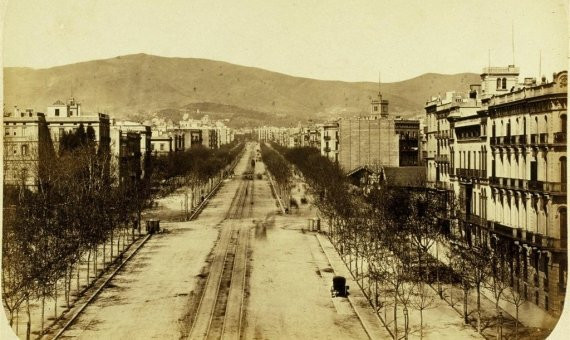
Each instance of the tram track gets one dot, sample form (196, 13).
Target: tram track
(220, 310)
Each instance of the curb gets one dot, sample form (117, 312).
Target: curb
(352, 303)
(96, 293)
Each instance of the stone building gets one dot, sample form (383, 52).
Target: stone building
(31, 139)
(27, 144)
(329, 140)
(369, 140)
(501, 152)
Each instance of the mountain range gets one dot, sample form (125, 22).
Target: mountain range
(142, 86)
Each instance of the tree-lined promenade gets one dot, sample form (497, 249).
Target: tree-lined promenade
(405, 248)
(78, 210)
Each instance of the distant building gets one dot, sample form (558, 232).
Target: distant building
(161, 145)
(64, 118)
(330, 140)
(30, 136)
(369, 140)
(145, 135)
(27, 145)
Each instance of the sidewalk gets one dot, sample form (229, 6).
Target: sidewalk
(370, 320)
(530, 315)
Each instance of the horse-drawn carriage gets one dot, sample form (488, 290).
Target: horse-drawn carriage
(339, 287)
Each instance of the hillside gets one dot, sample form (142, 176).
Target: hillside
(139, 85)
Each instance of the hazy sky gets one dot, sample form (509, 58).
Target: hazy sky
(343, 40)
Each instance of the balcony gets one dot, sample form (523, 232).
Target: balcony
(560, 138)
(442, 158)
(534, 138)
(536, 185)
(554, 187)
(521, 140)
(471, 173)
(444, 185)
(477, 220)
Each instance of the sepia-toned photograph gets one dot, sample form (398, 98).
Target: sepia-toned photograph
(290, 169)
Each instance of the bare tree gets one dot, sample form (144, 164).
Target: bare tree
(422, 300)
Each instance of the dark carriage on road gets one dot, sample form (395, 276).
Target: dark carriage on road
(339, 287)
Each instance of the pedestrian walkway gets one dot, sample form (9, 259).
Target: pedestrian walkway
(370, 320)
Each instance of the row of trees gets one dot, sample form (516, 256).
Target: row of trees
(77, 207)
(280, 169)
(391, 239)
(193, 166)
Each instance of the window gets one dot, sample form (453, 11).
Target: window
(498, 83)
(504, 83)
(161, 146)
(24, 149)
(57, 112)
(7, 131)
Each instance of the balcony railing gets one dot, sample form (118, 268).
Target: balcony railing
(534, 138)
(327, 138)
(471, 173)
(560, 138)
(441, 158)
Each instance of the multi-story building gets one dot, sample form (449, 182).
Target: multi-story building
(145, 134)
(27, 145)
(501, 151)
(64, 118)
(528, 186)
(330, 140)
(33, 138)
(370, 140)
(408, 131)
(127, 155)
(161, 144)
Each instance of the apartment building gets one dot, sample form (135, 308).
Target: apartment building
(27, 144)
(501, 151)
(329, 140)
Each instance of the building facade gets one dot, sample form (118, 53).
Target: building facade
(501, 152)
(27, 144)
(330, 140)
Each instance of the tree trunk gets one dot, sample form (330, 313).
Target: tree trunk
(395, 315)
(95, 253)
(88, 264)
(17, 320)
(516, 321)
(111, 247)
(465, 317)
(104, 254)
(421, 324)
(29, 323)
(479, 308)
(55, 299)
(43, 309)
(78, 270)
